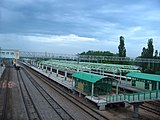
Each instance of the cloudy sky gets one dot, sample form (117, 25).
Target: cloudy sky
(73, 26)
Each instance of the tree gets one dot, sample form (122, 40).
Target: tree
(156, 54)
(148, 52)
(150, 48)
(121, 47)
(144, 53)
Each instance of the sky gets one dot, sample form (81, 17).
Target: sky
(74, 26)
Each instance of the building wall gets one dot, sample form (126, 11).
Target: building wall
(101, 87)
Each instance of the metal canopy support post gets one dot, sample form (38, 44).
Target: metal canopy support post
(77, 69)
(57, 72)
(73, 82)
(65, 76)
(34, 63)
(117, 87)
(126, 80)
(118, 83)
(157, 85)
(92, 92)
(46, 68)
(42, 67)
(37, 64)
(50, 70)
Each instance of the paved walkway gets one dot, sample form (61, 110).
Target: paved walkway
(130, 87)
(1, 70)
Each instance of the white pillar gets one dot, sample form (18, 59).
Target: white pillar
(46, 68)
(42, 67)
(37, 64)
(92, 92)
(157, 86)
(57, 72)
(120, 76)
(117, 88)
(126, 80)
(65, 76)
(50, 70)
(77, 69)
(73, 82)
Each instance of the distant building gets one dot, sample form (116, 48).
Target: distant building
(9, 53)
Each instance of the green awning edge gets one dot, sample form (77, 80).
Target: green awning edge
(144, 76)
(90, 77)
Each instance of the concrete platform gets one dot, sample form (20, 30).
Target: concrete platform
(2, 68)
(130, 87)
(100, 101)
(59, 79)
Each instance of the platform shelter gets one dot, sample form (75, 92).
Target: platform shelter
(92, 84)
(144, 80)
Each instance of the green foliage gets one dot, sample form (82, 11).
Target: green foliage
(153, 68)
(156, 54)
(98, 53)
(148, 52)
(121, 47)
(150, 48)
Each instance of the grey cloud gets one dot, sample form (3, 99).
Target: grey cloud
(101, 19)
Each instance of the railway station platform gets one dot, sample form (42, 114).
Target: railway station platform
(129, 87)
(102, 101)
(60, 79)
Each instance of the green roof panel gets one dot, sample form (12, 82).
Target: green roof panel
(90, 77)
(145, 76)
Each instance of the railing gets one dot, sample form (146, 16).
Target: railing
(135, 97)
(24, 54)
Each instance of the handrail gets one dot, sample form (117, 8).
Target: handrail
(135, 97)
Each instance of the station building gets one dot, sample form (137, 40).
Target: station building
(144, 80)
(92, 84)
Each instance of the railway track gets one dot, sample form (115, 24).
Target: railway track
(32, 111)
(149, 109)
(59, 110)
(154, 103)
(152, 107)
(4, 94)
(84, 107)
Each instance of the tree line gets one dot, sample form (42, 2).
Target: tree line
(146, 53)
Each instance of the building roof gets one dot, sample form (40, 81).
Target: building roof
(90, 77)
(149, 77)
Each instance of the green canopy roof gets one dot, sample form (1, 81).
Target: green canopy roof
(90, 77)
(149, 77)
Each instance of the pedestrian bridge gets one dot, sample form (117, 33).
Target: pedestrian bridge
(134, 98)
